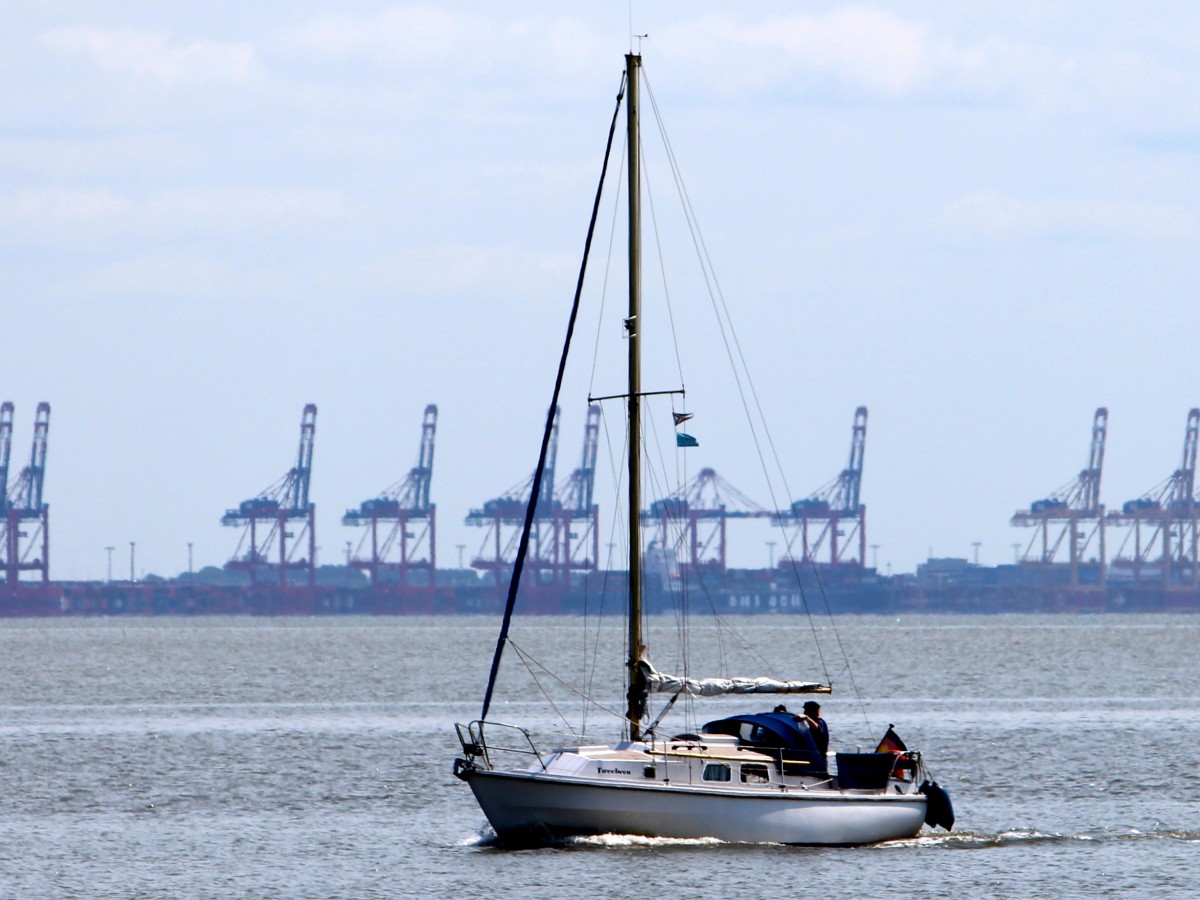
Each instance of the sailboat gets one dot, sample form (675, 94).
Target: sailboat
(754, 777)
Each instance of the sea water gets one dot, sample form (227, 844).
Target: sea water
(297, 758)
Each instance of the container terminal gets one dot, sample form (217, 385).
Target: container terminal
(1078, 556)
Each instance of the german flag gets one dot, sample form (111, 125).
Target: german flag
(891, 742)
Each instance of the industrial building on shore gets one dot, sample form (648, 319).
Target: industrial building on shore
(1078, 556)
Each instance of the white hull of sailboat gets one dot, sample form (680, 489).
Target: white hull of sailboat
(531, 807)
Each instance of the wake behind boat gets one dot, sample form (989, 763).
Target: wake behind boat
(755, 777)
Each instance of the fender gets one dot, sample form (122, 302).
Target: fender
(938, 809)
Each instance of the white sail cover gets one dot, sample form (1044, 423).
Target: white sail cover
(660, 683)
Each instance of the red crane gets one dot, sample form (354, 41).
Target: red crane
(23, 503)
(504, 516)
(564, 530)
(406, 542)
(1072, 515)
(834, 516)
(691, 524)
(1162, 524)
(267, 516)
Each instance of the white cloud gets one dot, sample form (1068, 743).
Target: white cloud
(421, 39)
(31, 211)
(34, 206)
(509, 271)
(861, 51)
(248, 207)
(409, 37)
(160, 275)
(868, 48)
(992, 214)
(152, 54)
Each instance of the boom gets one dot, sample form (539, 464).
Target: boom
(27, 492)
(1090, 477)
(6, 423)
(577, 495)
(424, 470)
(850, 482)
(1183, 483)
(297, 496)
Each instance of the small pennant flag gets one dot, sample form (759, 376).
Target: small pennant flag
(685, 440)
(680, 418)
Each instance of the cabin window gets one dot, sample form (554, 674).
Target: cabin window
(755, 773)
(716, 772)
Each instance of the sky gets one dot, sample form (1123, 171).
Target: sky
(977, 219)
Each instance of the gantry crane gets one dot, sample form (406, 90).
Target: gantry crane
(578, 511)
(1162, 524)
(23, 503)
(1072, 515)
(566, 532)
(691, 524)
(266, 518)
(395, 551)
(833, 516)
(504, 516)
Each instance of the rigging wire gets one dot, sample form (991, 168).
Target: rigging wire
(735, 356)
(525, 661)
(607, 269)
(728, 334)
(529, 661)
(531, 508)
(681, 606)
(618, 474)
(615, 529)
(662, 269)
(668, 541)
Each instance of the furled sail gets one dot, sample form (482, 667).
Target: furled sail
(660, 683)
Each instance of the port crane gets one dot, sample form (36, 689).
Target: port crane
(401, 523)
(1162, 524)
(691, 524)
(1072, 516)
(504, 516)
(579, 516)
(830, 526)
(267, 517)
(26, 520)
(566, 525)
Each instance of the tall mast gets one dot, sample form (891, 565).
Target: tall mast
(633, 64)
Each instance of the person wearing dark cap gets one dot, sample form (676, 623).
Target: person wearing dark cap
(816, 725)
